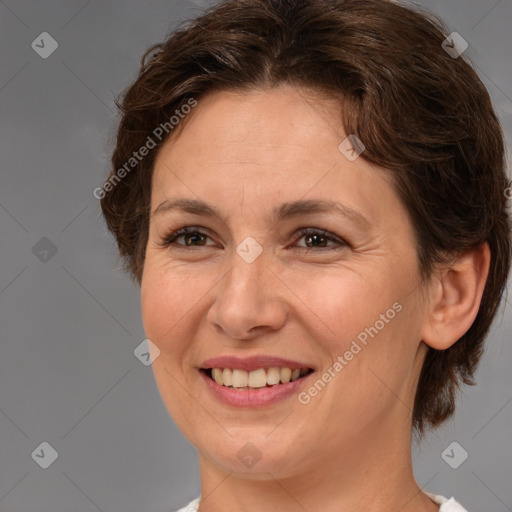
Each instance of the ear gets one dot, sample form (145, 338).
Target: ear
(455, 298)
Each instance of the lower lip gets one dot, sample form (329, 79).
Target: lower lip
(252, 397)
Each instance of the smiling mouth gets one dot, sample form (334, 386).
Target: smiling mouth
(255, 379)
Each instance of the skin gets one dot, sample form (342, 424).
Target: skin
(349, 448)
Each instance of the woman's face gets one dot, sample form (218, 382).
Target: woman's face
(249, 289)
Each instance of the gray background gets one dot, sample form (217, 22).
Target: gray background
(69, 325)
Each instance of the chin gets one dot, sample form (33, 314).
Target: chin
(253, 456)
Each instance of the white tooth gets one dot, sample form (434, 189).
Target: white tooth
(285, 374)
(273, 376)
(295, 374)
(258, 378)
(227, 377)
(240, 378)
(217, 375)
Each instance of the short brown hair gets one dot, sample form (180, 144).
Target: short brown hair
(422, 114)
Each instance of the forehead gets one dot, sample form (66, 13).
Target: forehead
(265, 147)
(282, 123)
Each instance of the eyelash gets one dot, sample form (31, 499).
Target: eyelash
(169, 239)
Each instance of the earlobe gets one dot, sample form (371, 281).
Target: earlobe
(455, 298)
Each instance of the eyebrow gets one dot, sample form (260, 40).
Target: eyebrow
(279, 213)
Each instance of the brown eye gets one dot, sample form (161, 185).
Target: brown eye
(191, 236)
(317, 238)
(194, 238)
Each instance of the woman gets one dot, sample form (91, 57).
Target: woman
(311, 195)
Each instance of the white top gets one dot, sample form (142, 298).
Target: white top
(447, 505)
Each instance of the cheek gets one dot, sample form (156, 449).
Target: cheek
(154, 306)
(165, 301)
(368, 321)
(377, 365)
(338, 305)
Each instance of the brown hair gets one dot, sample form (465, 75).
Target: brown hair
(422, 114)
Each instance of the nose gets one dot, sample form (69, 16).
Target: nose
(249, 301)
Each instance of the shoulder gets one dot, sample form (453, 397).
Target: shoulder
(447, 505)
(191, 507)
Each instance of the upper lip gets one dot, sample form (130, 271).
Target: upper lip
(251, 363)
